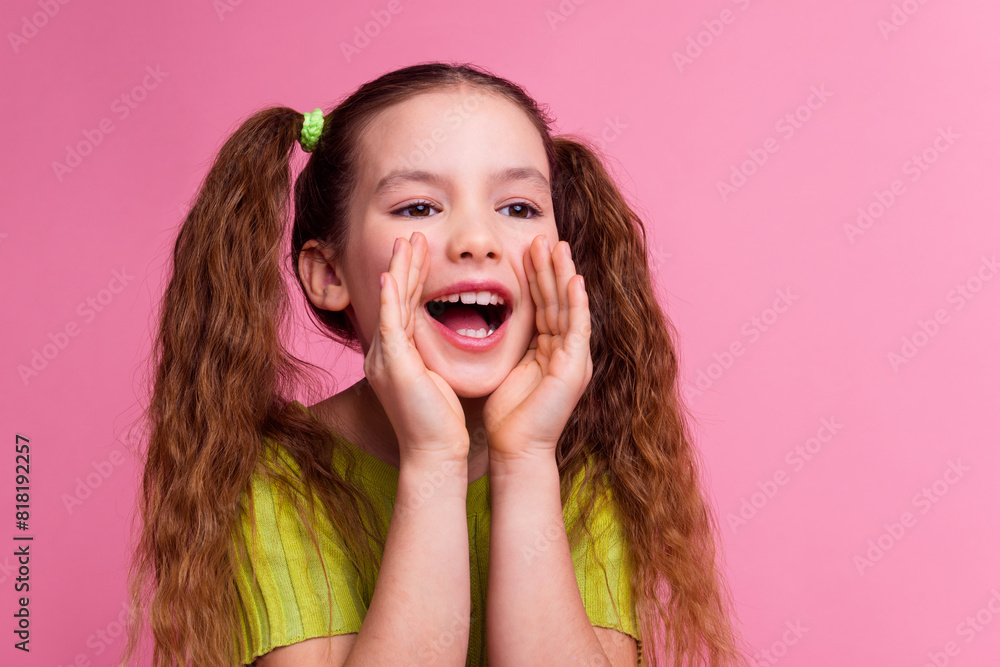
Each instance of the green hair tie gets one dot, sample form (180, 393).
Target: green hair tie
(312, 127)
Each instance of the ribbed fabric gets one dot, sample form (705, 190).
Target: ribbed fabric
(283, 592)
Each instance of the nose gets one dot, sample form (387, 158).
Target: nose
(473, 237)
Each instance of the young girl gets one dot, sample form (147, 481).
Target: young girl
(513, 479)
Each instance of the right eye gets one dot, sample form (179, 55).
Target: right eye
(424, 206)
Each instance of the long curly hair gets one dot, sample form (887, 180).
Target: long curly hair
(222, 382)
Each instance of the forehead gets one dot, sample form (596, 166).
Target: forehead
(456, 133)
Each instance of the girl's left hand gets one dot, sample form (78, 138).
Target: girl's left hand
(525, 416)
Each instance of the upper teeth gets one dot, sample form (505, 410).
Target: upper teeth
(485, 298)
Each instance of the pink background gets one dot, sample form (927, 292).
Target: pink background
(675, 129)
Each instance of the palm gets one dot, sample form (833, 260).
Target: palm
(423, 409)
(531, 406)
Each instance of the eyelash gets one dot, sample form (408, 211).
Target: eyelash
(535, 212)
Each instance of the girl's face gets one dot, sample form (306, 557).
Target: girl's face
(469, 171)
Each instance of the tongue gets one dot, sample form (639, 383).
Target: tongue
(457, 317)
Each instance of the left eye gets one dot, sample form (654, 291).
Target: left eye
(522, 209)
(423, 212)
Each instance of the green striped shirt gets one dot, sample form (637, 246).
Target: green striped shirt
(283, 593)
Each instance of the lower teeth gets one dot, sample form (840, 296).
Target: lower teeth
(481, 333)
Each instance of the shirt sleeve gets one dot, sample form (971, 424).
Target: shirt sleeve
(280, 580)
(603, 568)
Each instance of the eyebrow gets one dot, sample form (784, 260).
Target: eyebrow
(529, 174)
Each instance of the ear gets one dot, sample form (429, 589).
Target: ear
(322, 278)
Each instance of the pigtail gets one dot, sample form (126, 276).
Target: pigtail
(220, 381)
(636, 427)
(218, 367)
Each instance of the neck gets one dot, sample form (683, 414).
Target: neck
(371, 414)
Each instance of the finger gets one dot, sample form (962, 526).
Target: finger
(529, 357)
(564, 270)
(399, 267)
(424, 272)
(413, 272)
(374, 351)
(546, 279)
(579, 315)
(388, 315)
(389, 318)
(422, 268)
(405, 284)
(376, 357)
(536, 295)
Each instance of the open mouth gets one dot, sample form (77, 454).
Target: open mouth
(469, 319)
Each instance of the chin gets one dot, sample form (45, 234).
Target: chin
(473, 377)
(471, 387)
(474, 393)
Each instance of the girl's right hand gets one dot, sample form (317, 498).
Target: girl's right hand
(424, 410)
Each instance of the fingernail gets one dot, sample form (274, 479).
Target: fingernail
(381, 280)
(395, 246)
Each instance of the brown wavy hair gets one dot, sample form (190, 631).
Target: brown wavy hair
(222, 383)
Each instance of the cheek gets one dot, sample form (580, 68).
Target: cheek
(364, 288)
(374, 256)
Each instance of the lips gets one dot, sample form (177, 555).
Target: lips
(448, 323)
